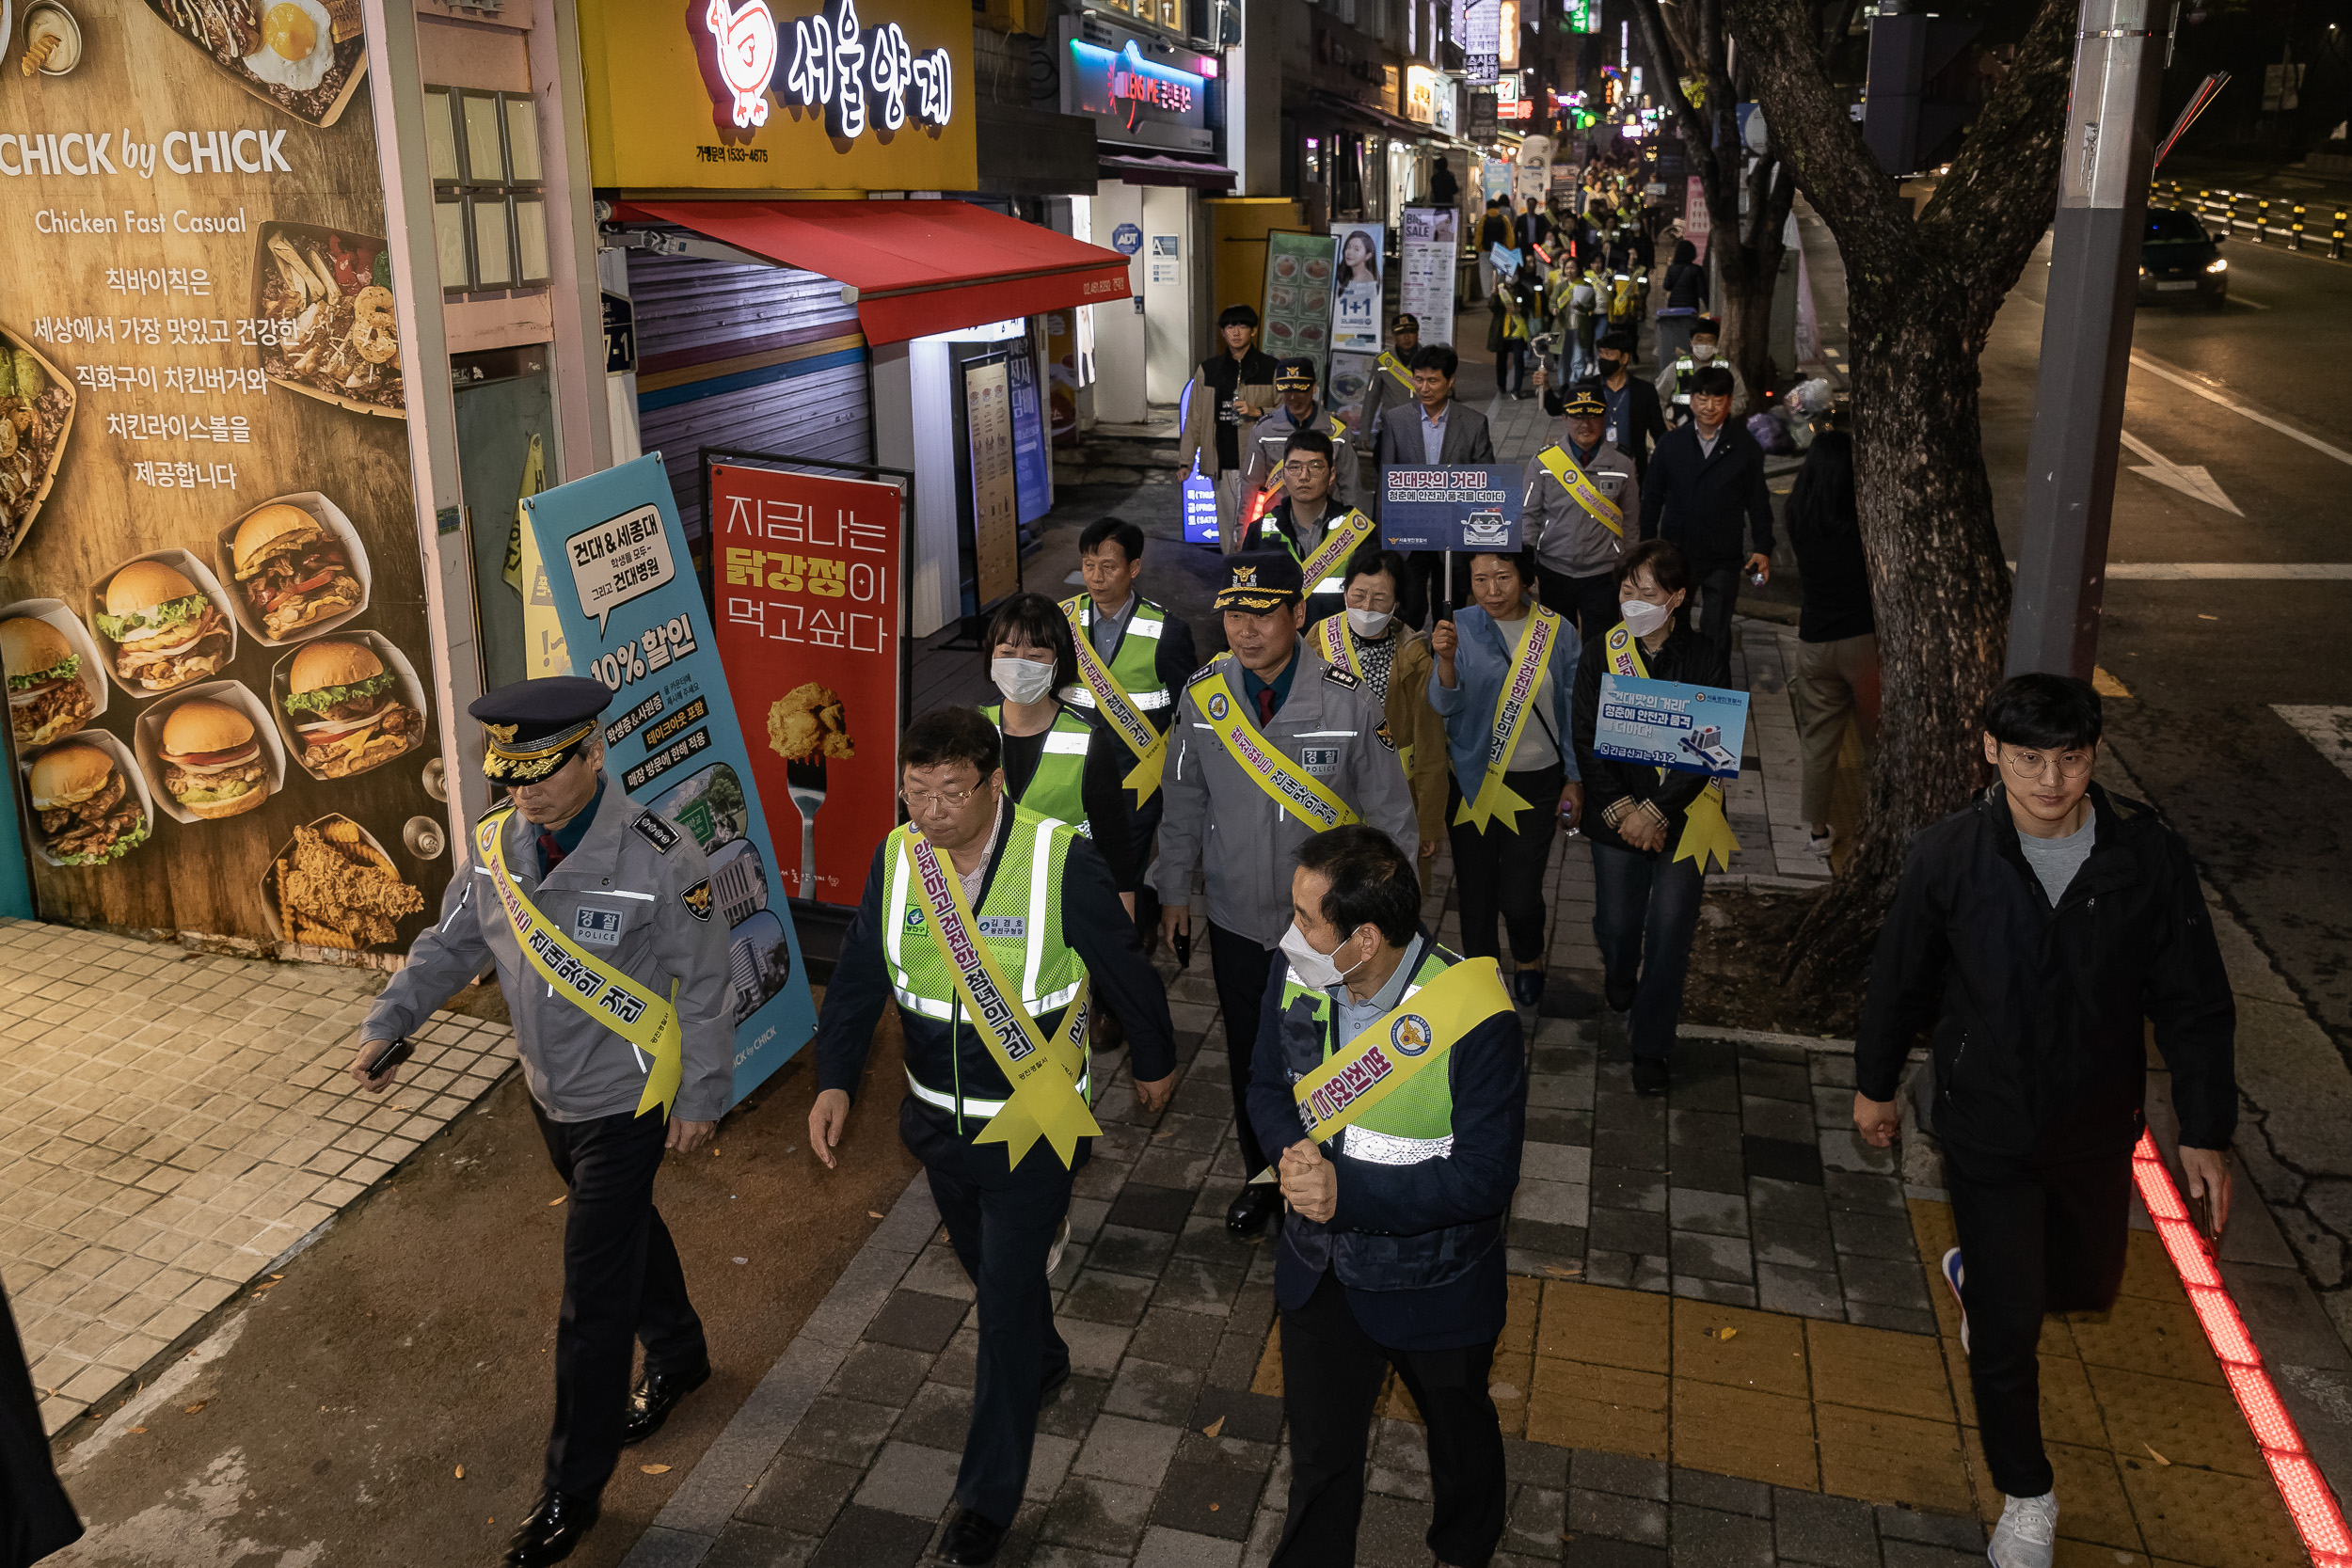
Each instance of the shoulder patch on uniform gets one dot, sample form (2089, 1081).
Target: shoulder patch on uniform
(697, 899)
(655, 830)
(1382, 736)
(1205, 670)
(1341, 677)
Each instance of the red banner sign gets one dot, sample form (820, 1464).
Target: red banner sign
(808, 596)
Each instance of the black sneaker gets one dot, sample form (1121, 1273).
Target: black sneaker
(1650, 1076)
(1619, 993)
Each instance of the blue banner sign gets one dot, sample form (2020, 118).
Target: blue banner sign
(635, 619)
(1450, 509)
(1691, 729)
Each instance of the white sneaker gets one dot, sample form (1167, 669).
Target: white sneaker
(2027, 1537)
(1061, 1240)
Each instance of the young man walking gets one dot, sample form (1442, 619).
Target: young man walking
(2036, 933)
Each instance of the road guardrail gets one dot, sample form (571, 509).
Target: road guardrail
(2266, 220)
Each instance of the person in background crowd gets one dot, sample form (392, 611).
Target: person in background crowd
(1058, 762)
(1582, 500)
(1002, 1218)
(1369, 640)
(1584, 318)
(1649, 826)
(1686, 301)
(1837, 640)
(1514, 775)
(1391, 1255)
(1390, 387)
(1444, 190)
(1533, 226)
(1252, 740)
(1675, 381)
(1441, 433)
(1229, 392)
(2039, 933)
(1704, 492)
(1295, 384)
(1508, 332)
(1493, 229)
(1631, 419)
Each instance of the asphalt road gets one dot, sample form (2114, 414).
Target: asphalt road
(2255, 398)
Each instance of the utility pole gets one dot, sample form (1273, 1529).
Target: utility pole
(2104, 170)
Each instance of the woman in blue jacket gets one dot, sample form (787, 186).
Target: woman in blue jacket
(1505, 668)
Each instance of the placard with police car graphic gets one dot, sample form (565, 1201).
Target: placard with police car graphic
(635, 619)
(1450, 509)
(1691, 729)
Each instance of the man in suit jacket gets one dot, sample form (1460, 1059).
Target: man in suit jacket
(1705, 492)
(1434, 431)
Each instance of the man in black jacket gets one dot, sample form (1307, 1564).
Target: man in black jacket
(2037, 932)
(1632, 419)
(1704, 490)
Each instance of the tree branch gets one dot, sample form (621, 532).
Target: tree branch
(1817, 136)
(1664, 56)
(2003, 186)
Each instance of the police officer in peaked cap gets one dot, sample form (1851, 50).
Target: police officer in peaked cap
(623, 897)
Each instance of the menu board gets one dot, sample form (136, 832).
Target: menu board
(1300, 270)
(995, 491)
(212, 605)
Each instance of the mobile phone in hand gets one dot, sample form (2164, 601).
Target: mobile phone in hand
(390, 1057)
(1183, 949)
(2200, 1215)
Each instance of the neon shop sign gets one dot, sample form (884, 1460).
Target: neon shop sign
(863, 77)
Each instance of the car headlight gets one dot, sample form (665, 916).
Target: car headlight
(2217, 264)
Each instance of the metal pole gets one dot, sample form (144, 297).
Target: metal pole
(2087, 337)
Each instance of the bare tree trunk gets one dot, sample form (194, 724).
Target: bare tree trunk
(1751, 278)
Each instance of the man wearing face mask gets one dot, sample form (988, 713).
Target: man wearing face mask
(1295, 383)
(1630, 419)
(1392, 1255)
(1674, 382)
(1311, 523)
(1262, 759)
(1581, 498)
(1394, 661)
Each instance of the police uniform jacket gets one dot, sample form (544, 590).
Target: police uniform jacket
(1382, 397)
(1417, 1237)
(636, 894)
(951, 1057)
(1264, 453)
(1217, 816)
(1567, 538)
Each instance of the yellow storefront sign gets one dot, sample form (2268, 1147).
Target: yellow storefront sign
(854, 95)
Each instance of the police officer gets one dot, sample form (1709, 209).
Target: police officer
(1391, 386)
(1674, 382)
(1294, 382)
(1392, 1255)
(1262, 758)
(1581, 499)
(1312, 524)
(1041, 922)
(623, 891)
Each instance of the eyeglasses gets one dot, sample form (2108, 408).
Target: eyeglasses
(920, 801)
(1306, 470)
(2037, 765)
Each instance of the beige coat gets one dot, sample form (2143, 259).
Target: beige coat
(1200, 433)
(1412, 723)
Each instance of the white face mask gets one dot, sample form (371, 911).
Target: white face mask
(1643, 617)
(1369, 623)
(1315, 969)
(1702, 351)
(1022, 680)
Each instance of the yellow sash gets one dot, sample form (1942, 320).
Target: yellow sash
(1397, 372)
(647, 1021)
(1264, 503)
(1111, 700)
(1338, 544)
(1045, 1102)
(1416, 1035)
(1284, 785)
(1704, 830)
(1580, 486)
(1513, 704)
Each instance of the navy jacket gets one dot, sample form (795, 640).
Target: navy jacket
(1397, 1226)
(1705, 501)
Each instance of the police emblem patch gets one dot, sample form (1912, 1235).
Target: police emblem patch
(1218, 707)
(1411, 1034)
(597, 927)
(697, 899)
(1382, 736)
(655, 831)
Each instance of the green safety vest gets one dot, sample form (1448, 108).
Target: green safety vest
(1416, 1122)
(1136, 666)
(1020, 921)
(1272, 535)
(1057, 788)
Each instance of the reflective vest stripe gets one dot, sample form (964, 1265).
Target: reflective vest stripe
(1078, 696)
(1040, 874)
(1386, 1149)
(946, 1101)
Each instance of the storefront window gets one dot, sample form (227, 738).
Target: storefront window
(489, 219)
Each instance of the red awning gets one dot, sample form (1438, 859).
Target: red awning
(918, 267)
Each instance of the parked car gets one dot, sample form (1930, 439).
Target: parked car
(2180, 262)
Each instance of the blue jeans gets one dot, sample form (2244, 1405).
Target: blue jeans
(1644, 909)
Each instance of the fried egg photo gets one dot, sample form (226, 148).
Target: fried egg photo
(297, 44)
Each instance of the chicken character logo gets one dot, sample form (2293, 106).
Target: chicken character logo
(746, 52)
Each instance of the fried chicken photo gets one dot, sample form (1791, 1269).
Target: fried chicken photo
(808, 724)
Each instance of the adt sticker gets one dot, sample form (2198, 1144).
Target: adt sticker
(597, 927)
(1127, 239)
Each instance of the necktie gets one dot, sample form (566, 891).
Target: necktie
(550, 853)
(1265, 705)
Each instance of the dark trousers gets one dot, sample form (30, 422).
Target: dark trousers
(1501, 869)
(1331, 1374)
(622, 1283)
(2036, 1236)
(1719, 596)
(1591, 602)
(1001, 1221)
(1243, 969)
(1510, 376)
(1644, 909)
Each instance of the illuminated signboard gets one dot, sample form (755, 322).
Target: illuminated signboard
(1132, 98)
(858, 75)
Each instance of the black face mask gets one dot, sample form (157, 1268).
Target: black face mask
(1610, 366)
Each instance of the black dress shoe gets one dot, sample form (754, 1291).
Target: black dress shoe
(553, 1528)
(1620, 993)
(1054, 1379)
(656, 1395)
(1650, 1076)
(1248, 1212)
(969, 1539)
(1527, 987)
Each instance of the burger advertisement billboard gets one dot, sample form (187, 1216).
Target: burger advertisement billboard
(211, 600)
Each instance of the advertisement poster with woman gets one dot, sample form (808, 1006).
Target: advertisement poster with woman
(212, 605)
(1356, 296)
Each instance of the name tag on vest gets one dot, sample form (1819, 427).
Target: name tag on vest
(1322, 761)
(595, 927)
(1013, 927)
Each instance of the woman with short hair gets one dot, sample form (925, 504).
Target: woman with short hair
(1370, 642)
(1056, 763)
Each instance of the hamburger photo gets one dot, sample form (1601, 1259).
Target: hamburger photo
(165, 631)
(212, 761)
(345, 709)
(292, 569)
(47, 697)
(88, 811)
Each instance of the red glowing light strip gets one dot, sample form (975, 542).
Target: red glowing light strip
(2314, 1508)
